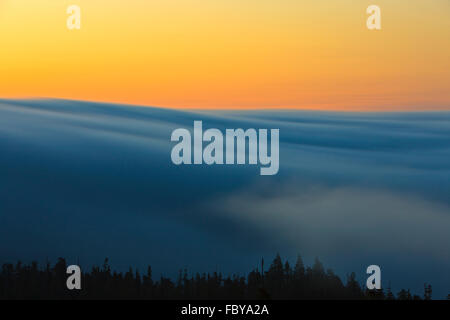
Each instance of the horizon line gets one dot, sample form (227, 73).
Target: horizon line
(237, 108)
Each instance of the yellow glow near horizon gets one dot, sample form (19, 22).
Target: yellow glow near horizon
(230, 53)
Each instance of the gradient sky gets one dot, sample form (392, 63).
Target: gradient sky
(230, 53)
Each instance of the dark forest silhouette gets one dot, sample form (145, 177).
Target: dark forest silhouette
(280, 281)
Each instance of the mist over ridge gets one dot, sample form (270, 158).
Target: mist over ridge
(91, 180)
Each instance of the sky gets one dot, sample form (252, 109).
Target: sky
(230, 54)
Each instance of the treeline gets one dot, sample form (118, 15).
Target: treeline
(279, 281)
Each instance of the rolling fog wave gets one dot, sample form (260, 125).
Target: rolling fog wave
(88, 180)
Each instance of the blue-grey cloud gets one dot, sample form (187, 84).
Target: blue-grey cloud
(90, 180)
(353, 227)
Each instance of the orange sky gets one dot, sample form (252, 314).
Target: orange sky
(230, 53)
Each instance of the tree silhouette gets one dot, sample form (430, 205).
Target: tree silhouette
(280, 281)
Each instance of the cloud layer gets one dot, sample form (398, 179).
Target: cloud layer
(86, 180)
